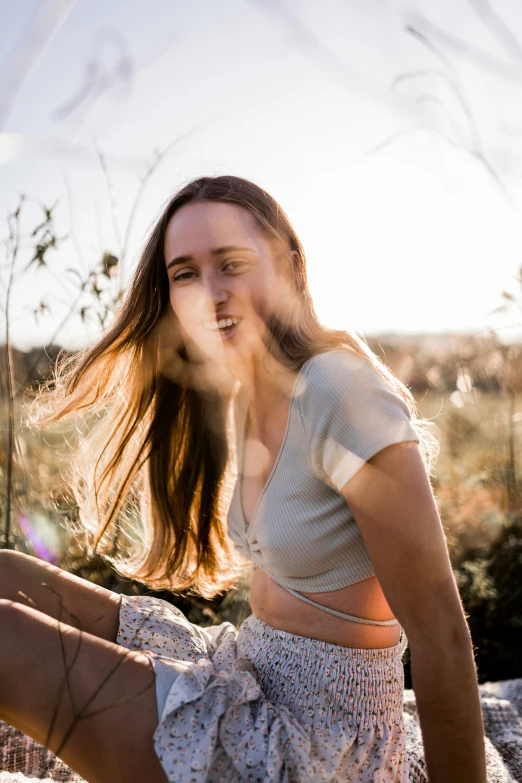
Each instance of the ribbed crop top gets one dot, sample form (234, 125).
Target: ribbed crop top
(302, 532)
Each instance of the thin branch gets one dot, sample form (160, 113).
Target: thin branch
(160, 156)
(116, 228)
(461, 98)
(454, 82)
(428, 98)
(67, 680)
(475, 149)
(13, 222)
(74, 236)
(53, 337)
(497, 27)
(399, 135)
(474, 54)
(23, 56)
(82, 713)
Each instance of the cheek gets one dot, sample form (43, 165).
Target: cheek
(266, 295)
(176, 302)
(262, 288)
(186, 301)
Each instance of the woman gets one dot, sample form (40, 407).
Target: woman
(217, 367)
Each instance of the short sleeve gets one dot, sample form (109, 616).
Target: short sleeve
(349, 413)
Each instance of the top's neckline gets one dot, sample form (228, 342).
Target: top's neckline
(247, 525)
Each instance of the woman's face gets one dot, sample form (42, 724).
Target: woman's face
(223, 278)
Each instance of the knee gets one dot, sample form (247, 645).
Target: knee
(13, 620)
(18, 629)
(12, 564)
(12, 559)
(10, 611)
(8, 556)
(16, 637)
(9, 563)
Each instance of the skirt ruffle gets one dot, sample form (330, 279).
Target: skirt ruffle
(255, 705)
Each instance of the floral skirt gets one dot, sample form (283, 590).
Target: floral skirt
(259, 704)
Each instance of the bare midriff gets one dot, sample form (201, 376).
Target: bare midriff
(284, 611)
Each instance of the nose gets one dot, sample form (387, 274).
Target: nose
(208, 296)
(215, 288)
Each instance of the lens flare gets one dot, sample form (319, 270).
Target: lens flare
(43, 536)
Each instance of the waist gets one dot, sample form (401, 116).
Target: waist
(321, 682)
(277, 607)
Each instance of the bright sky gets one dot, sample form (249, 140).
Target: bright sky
(293, 94)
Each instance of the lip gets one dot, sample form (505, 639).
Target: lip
(222, 334)
(217, 319)
(228, 335)
(219, 316)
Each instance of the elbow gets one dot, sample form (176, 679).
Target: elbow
(435, 619)
(451, 639)
(442, 665)
(443, 631)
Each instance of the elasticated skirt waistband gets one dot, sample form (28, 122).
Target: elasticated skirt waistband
(325, 683)
(256, 703)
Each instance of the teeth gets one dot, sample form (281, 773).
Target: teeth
(213, 325)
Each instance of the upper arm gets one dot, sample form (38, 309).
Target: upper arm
(392, 502)
(363, 442)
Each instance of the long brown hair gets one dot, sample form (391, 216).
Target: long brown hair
(154, 465)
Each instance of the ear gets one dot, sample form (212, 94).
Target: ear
(294, 255)
(288, 261)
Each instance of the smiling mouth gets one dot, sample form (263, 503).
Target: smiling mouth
(224, 326)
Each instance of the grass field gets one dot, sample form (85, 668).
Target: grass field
(476, 482)
(469, 480)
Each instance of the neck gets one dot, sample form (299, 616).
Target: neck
(267, 383)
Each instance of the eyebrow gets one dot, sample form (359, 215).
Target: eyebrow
(216, 252)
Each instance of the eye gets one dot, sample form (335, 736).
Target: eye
(237, 262)
(182, 276)
(230, 266)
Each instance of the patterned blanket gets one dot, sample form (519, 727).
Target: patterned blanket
(22, 759)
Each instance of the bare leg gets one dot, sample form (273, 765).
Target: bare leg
(85, 605)
(104, 722)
